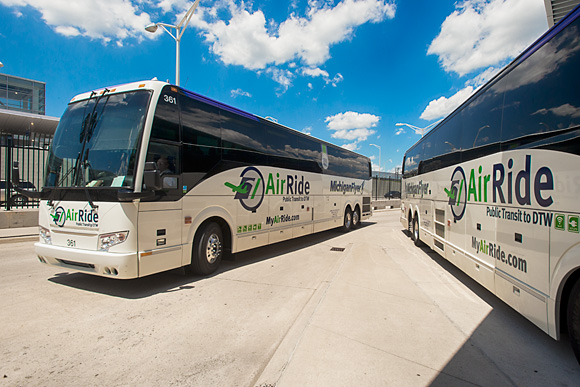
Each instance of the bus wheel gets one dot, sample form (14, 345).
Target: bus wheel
(207, 250)
(574, 319)
(356, 218)
(347, 222)
(415, 234)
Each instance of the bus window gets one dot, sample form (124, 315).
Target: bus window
(166, 121)
(242, 133)
(200, 122)
(481, 124)
(538, 101)
(167, 160)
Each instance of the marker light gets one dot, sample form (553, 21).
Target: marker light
(45, 235)
(106, 241)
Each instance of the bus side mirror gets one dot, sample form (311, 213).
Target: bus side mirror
(15, 174)
(152, 176)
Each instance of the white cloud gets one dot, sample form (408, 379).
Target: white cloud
(399, 131)
(106, 20)
(353, 134)
(248, 40)
(316, 72)
(442, 106)
(352, 120)
(483, 77)
(351, 147)
(240, 93)
(352, 126)
(283, 77)
(336, 80)
(483, 33)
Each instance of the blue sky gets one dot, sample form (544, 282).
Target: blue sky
(344, 71)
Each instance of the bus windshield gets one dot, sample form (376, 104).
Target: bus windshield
(95, 144)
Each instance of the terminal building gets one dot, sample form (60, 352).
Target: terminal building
(557, 9)
(25, 135)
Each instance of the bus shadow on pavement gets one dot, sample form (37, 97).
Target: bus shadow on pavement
(505, 348)
(177, 280)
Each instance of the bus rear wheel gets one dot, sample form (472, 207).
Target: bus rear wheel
(574, 319)
(356, 218)
(347, 221)
(207, 250)
(415, 235)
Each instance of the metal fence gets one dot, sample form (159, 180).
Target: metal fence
(386, 184)
(30, 150)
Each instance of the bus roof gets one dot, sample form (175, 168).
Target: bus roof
(155, 84)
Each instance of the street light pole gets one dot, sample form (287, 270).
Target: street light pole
(418, 130)
(379, 173)
(179, 30)
(379, 156)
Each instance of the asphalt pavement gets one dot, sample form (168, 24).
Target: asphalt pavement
(365, 308)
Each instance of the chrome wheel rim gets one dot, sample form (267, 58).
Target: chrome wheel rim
(347, 220)
(355, 218)
(213, 249)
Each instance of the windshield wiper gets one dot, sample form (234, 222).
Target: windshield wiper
(86, 165)
(86, 119)
(86, 134)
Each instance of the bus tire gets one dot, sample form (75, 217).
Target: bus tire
(574, 319)
(416, 237)
(207, 251)
(347, 220)
(356, 218)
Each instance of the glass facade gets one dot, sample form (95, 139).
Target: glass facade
(22, 94)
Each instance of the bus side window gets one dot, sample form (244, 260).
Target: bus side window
(168, 163)
(166, 121)
(200, 122)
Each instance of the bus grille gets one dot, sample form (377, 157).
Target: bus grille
(366, 204)
(79, 264)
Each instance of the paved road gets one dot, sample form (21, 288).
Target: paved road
(379, 313)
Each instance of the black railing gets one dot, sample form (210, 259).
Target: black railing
(30, 150)
(386, 186)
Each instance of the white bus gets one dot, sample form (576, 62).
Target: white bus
(494, 187)
(147, 177)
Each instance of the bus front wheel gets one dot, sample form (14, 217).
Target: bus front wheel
(574, 319)
(207, 250)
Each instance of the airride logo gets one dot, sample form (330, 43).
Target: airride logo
(500, 187)
(81, 218)
(457, 194)
(250, 190)
(252, 187)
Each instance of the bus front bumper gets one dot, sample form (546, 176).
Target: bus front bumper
(101, 263)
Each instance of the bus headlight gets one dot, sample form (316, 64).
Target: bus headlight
(45, 235)
(106, 241)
